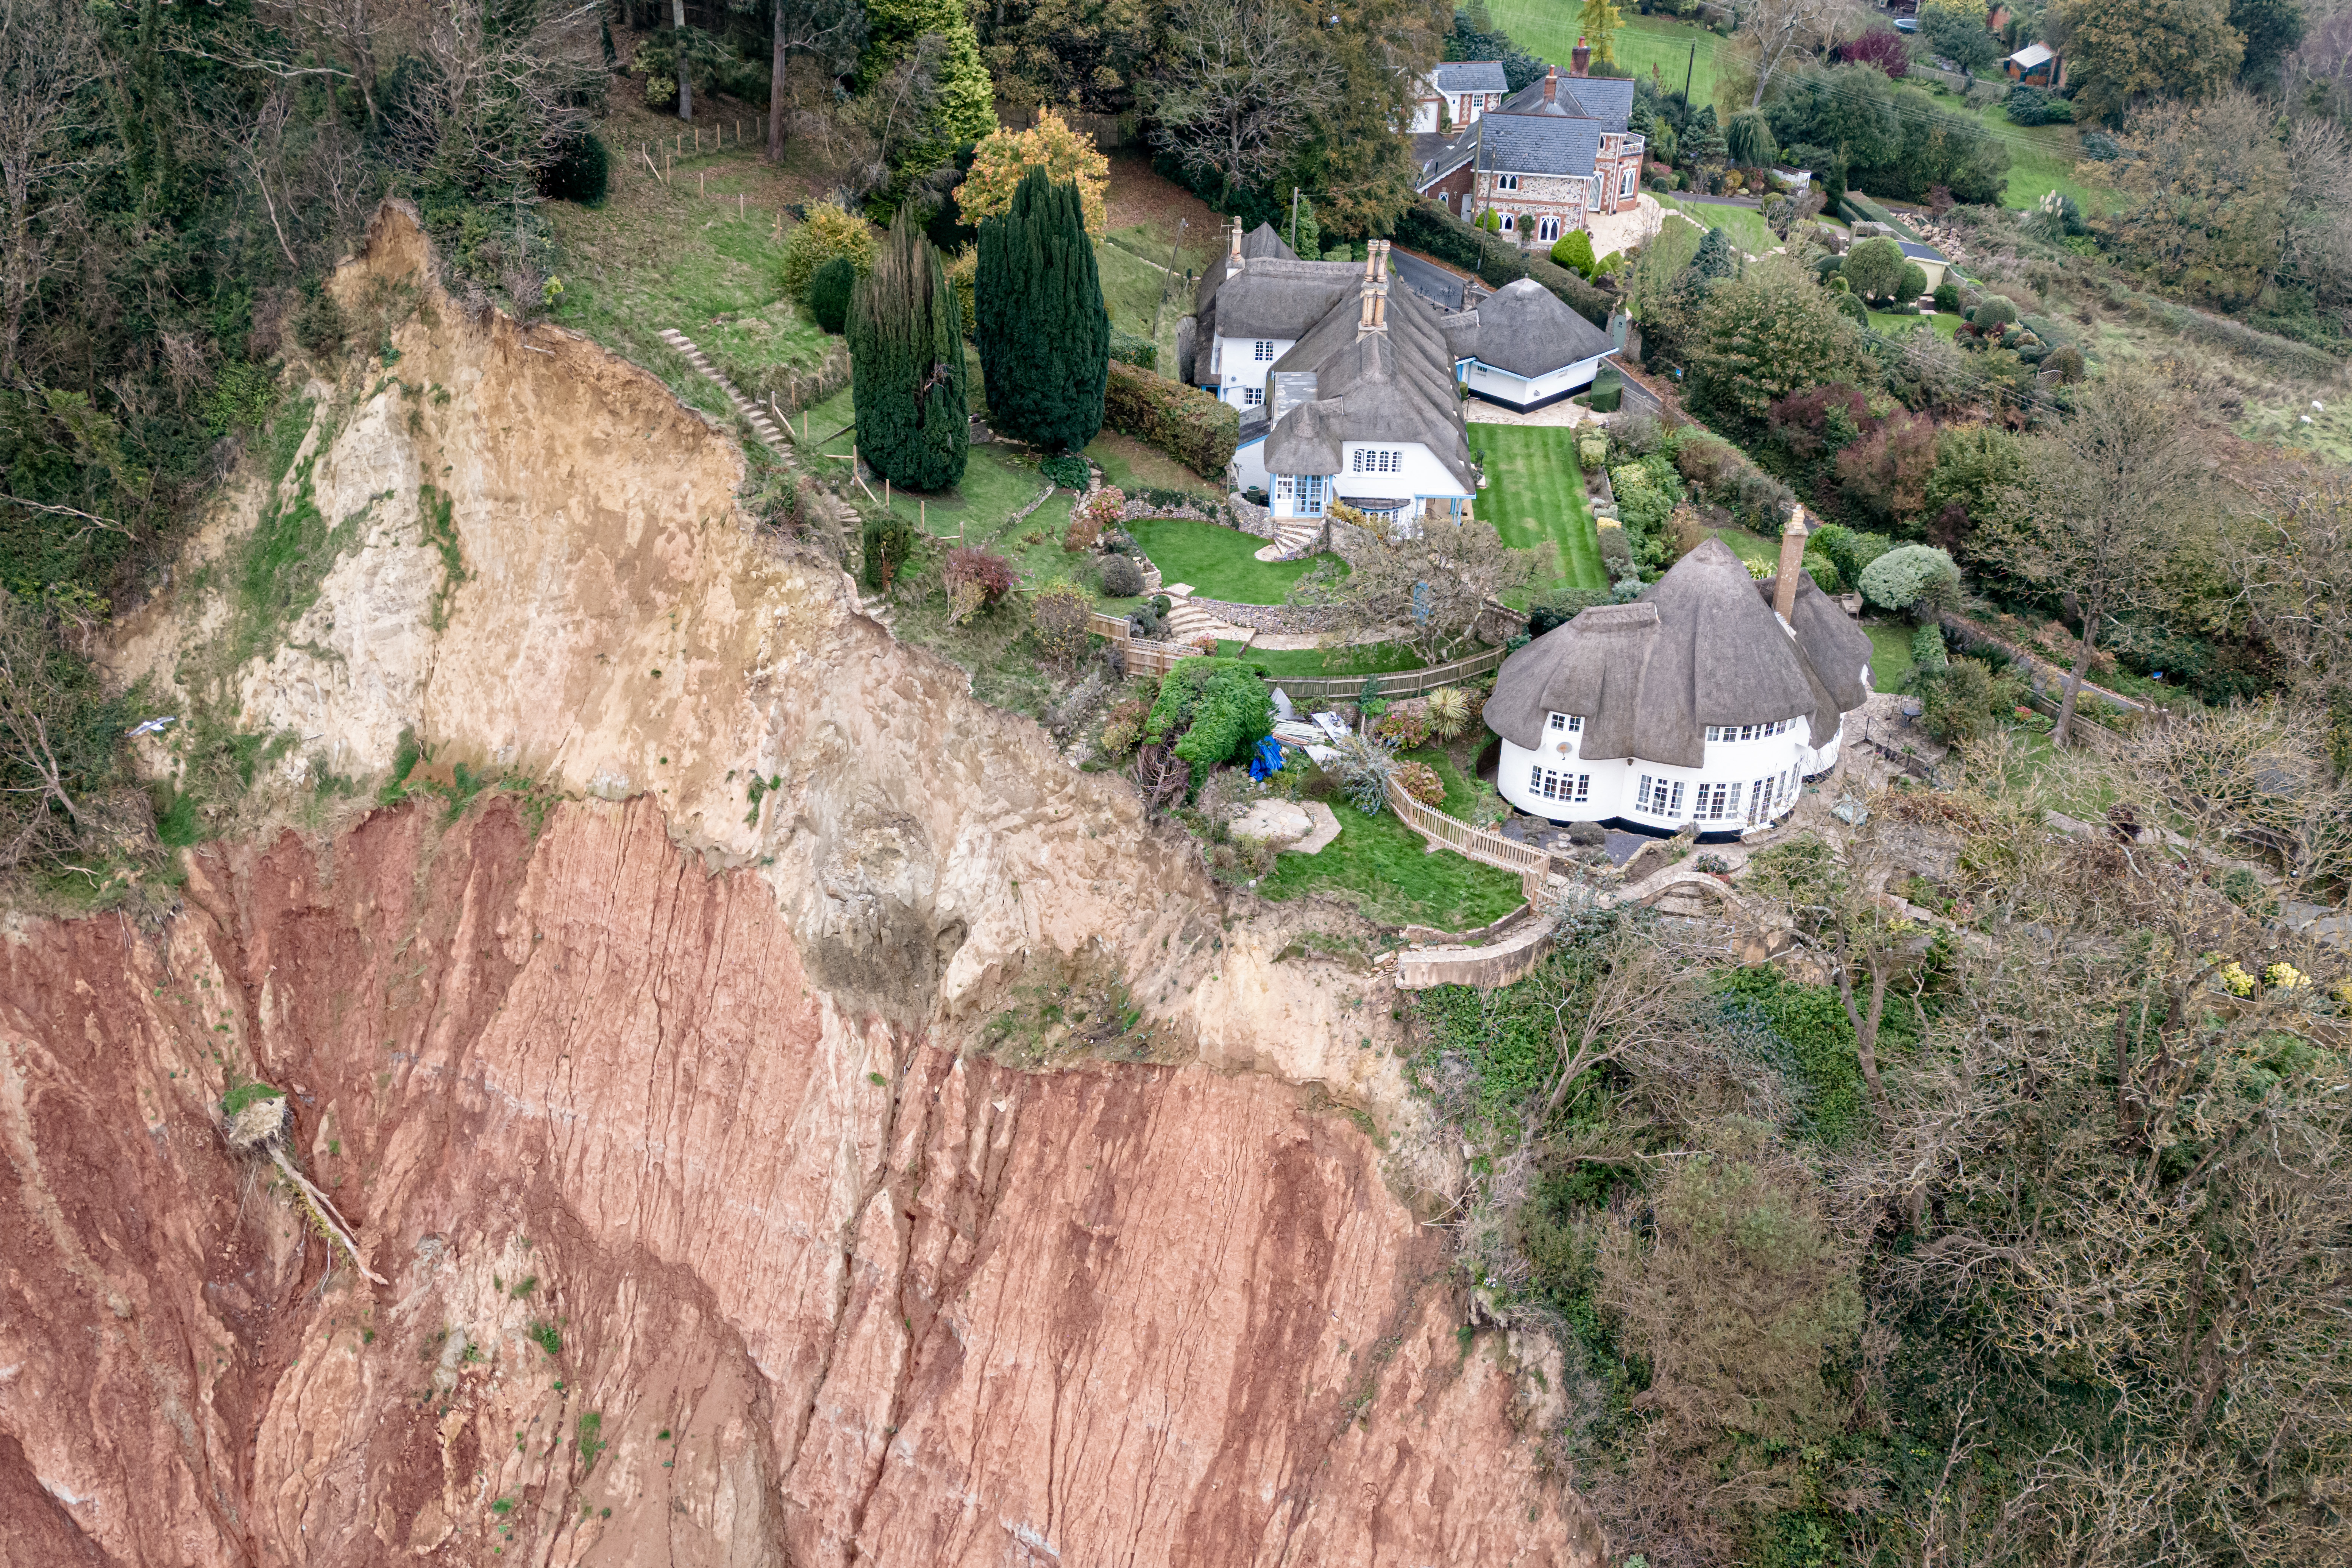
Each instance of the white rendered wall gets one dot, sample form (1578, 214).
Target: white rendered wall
(1418, 472)
(1616, 781)
(1248, 466)
(1236, 365)
(1521, 390)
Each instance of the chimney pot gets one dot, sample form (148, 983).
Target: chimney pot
(1234, 239)
(1580, 57)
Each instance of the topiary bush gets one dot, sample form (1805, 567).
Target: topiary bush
(1121, 577)
(1947, 299)
(829, 292)
(1896, 580)
(1993, 313)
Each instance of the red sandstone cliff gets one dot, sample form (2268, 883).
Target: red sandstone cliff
(710, 1234)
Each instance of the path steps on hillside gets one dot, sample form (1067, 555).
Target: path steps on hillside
(879, 609)
(1188, 621)
(1293, 537)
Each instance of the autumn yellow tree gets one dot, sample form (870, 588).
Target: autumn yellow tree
(1051, 145)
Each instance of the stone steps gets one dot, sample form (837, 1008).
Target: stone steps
(765, 427)
(1187, 620)
(1293, 537)
(751, 414)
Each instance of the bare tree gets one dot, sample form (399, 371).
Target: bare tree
(2112, 496)
(832, 31)
(48, 58)
(2293, 566)
(505, 90)
(1636, 994)
(1426, 582)
(1778, 34)
(1243, 80)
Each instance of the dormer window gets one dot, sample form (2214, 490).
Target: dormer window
(1567, 723)
(1747, 731)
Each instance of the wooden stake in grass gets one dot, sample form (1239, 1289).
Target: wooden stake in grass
(738, 206)
(702, 184)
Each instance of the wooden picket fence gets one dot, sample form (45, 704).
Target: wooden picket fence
(1397, 683)
(1532, 863)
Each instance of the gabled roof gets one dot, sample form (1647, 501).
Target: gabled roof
(2032, 55)
(1524, 327)
(1539, 144)
(1918, 252)
(1699, 648)
(1270, 298)
(1468, 76)
(1266, 242)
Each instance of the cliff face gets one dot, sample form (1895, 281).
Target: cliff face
(713, 1225)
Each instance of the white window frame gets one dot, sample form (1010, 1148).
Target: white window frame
(1252, 396)
(1263, 351)
(1507, 182)
(1547, 230)
(1549, 784)
(1567, 723)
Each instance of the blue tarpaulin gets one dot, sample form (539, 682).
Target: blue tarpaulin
(1267, 759)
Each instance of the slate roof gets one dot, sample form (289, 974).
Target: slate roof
(1918, 252)
(1392, 386)
(1539, 144)
(1524, 327)
(1609, 100)
(1469, 76)
(1700, 646)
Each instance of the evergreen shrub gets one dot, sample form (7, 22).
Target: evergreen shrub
(829, 292)
(907, 365)
(1121, 577)
(1044, 337)
(1214, 708)
(581, 171)
(1896, 580)
(825, 232)
(888, 539)
(1126, 347)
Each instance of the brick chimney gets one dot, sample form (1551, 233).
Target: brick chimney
(1551, 85)
(1792, 562)
(1578, 59)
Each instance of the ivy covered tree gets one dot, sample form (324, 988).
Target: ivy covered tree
(1044, 337)
(907, 365)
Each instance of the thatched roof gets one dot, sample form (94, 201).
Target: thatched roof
(1699, 648)
(1393, 385)
(1527, 330)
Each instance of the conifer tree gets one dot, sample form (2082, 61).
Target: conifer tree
(907, 370)
(1044, 337)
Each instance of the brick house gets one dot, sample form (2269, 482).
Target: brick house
(1546, 159)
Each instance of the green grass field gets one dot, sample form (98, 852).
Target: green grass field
(1350, 658)
(1890, 657)
(1535, 498)
(1132, 293)
(1133, 465)
(1744, 226)
(1942, 321)
(1387, 870)
(1219, 562)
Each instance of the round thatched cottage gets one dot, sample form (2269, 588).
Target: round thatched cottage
(1709, 699)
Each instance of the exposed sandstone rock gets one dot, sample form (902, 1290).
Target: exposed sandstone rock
(705, 1071)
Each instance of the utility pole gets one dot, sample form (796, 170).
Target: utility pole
(1174, 247)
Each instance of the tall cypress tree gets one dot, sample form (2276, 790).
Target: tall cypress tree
(907, 371)
(1044, 337)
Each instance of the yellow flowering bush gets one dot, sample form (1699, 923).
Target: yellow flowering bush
(2284, 977)
(1004, 156)
(2234, 979)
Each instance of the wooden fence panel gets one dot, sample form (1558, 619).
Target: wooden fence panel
(1473, 843)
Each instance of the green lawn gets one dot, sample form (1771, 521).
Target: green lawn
(1751, 546)
(1132, 293)
(1535, 498)
(1943, 322)
(1744, 226)
(1890, 654)
(1350, 658)
(1386, 869)
(1549, 28)
(675, 255)
(1219, 562)
(1133, 465)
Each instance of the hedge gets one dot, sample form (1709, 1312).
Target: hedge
(1427, 227)
(1184, 422)
(1128, 349)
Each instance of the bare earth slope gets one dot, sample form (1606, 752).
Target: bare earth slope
(709, 1236)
